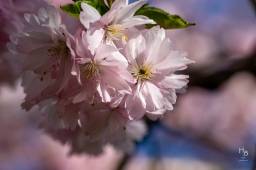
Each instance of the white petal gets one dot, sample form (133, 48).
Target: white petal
(126, 75)
(88, 15)
(35, 38)
(102, 89)
(114, 80)
(86, 93)
(37, 58)
(135, 109)
(108, 17)
(54, 17)
(174, 81)
(136, 21)
(32, 19)
(129, 10)
(116, 120)
(154, 38)
(70, 116)
(103, 51)
(132, 49)
(95, 39)
(25, 48)
(42, 14)
(155, 95)
(119, 3)
(64, 72)
(175, 61)
(156, 115)
(163, 52)
(36, 87)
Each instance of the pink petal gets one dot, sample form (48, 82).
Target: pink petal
(116, 120)
(108, 17)
(86, 93)
(114, 80)
(156, 115)
(103, 51)
(27, 48)
(54, 17)
(134, 21)
(97, 124)
(134, 107)
(133, 48)
(103, 92)
(174, 81)
(70, 116)
(36, 87)
(64, 73)
(35, 38)
(175, 61)
(95, 39)
(154, 38)
(163, 52)
(88, 15)
(129, 10)
(119, 4)
(37, 58)
(154, 98)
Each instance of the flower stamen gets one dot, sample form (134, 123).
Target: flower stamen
(60, 50)
(115, 32)
(89, 70)
(143, 73)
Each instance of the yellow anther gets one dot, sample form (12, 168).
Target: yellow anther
(115, 32)
(89, 70)
(143, 72)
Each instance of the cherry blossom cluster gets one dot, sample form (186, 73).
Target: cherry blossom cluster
(99, 83)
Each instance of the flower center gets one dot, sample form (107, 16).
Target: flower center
(60, 50)
(89, 70)
(143, 73)
(115, 32)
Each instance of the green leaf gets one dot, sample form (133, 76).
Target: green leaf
(163, 19)
(75, 8)
(72, 9)
(110, 2)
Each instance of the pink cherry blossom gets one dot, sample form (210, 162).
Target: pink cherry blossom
(111, 26)
(10, 13)
(153, 63)
(98, 72)
(93, 86)
(102, 122)
(48, 47)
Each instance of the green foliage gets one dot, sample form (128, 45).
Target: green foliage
(75, 8)
(162, 18)
(110, 2)
(72, 9)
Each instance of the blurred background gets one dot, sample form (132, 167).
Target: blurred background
(212, 127)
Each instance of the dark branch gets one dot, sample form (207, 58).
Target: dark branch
(253, 2)
(212, 77)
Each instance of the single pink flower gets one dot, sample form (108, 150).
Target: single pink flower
(99, 72)
(153, 63)
(111, 26)
(49, 50)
